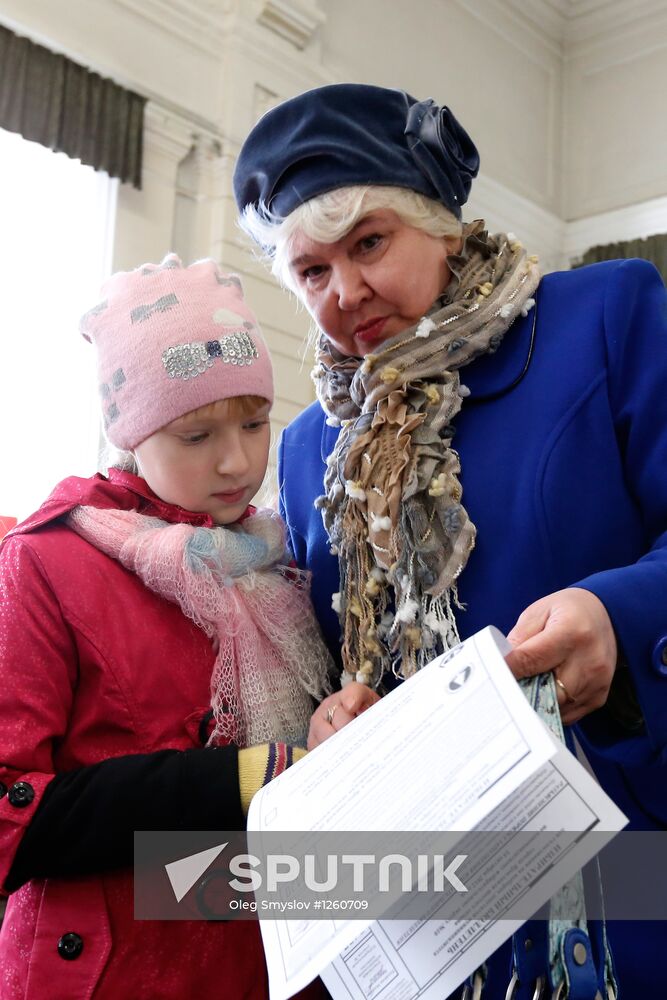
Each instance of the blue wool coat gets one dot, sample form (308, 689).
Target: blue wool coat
(563, 447)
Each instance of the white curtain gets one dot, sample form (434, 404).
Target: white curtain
(56, 235)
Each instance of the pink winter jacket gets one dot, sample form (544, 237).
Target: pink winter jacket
(92, 666)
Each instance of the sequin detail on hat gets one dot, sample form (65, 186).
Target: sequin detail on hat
(142, 313)
(190, 360)
(170, 262)
(227, 280)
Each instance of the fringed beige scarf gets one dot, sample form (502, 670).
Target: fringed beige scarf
(392, 507)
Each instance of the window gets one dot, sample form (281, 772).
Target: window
(55, 251)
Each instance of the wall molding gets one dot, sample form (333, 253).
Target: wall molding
(591, 20)
(510, 19)
(293, 20)
(205, 25)
(572, 23)
(602, 58)
(298, 68)
(202, 25)
(175, 129)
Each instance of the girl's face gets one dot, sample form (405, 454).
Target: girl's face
(379, 279)
(211, 461)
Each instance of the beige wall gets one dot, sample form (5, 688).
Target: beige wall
(615, 133)
(564, 98)
(500, 78)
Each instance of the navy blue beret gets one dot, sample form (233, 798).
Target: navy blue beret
(350, 133)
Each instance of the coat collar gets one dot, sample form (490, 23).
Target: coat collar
(120, 490)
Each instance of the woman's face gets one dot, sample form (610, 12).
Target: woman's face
(379, 279)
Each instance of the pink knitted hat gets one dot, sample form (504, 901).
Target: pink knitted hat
(170, 339)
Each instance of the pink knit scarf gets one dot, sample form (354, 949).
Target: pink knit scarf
(234, 584)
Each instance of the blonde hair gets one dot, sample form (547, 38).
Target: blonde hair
(330, 216)
(234, 407)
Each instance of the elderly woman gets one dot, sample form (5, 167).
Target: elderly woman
(488, 446)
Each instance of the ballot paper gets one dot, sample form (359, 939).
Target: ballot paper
(455, 748)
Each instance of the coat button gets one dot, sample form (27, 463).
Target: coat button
(3, 789)
(21, 794)
(70, 946)
(659, 659)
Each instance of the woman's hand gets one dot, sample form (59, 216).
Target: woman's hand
(339, 709)
(570, 633)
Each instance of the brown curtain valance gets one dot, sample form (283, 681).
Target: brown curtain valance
(653, 248)
(51, 100)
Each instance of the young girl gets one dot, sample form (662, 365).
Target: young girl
(158, 659)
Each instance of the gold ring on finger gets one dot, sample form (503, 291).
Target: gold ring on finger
(568, 696)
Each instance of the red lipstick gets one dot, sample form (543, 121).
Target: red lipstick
(371, 330)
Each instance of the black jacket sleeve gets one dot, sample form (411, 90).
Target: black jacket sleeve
(86, 819)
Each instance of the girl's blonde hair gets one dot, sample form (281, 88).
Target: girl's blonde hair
(235, 407)
(330, 216)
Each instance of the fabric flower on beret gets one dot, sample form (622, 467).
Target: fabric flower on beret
(443, 151)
